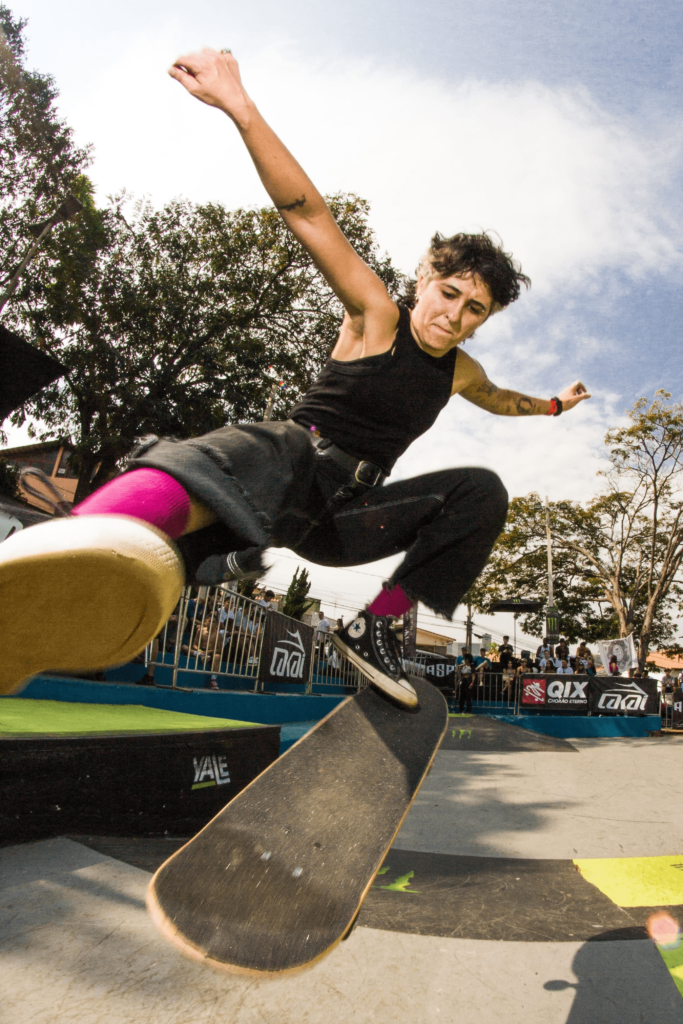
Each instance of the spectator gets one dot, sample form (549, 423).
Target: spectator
(481, 662)
(467, 681)
(322, 627)
(340, 625)
(564, 668)
(505, 652)
(544, 650)
(667, 683)
(460, 660)
(562, 651)
(590, 667)
(547, 662)
(524, 669)
(583, 651)
(613, 667)
(267, 600)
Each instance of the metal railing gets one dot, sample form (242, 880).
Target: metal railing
(217, 632)
(220, 633)
(330, 668)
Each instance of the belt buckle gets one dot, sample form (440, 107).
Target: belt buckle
(359, 475)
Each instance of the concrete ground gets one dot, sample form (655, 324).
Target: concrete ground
(77, 945)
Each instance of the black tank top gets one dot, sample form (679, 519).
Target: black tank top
(373, 408)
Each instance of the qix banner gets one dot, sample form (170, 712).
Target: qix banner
(287, 650)
(556, 693)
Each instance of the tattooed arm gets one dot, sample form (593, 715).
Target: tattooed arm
(214, 78)
(472, 383)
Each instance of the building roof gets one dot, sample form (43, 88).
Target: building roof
(425, 636)
(39, 446)
(664, 661)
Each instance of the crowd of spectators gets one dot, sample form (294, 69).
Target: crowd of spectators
(502, 669)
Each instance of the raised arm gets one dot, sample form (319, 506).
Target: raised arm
(214, 79)
(473, 384)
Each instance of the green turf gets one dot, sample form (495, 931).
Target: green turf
(19, 716)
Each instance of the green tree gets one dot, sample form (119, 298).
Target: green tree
(295, 604)
(616, 559)
(177, 321)
(40, 161)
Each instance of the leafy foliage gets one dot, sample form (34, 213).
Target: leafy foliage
(177, 321)
(40, 162)
(295, 604)
(617, 559)
(173, 321)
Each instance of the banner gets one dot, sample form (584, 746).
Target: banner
(677, 710)
(612, 695)
(625, 651)
(440, 670)
(287, 650)
(555, 692)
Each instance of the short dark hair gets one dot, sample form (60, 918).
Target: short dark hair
(473, 254)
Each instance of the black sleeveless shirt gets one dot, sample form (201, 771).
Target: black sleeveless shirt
(373, 408)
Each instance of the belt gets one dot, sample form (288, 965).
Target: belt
(347, 469)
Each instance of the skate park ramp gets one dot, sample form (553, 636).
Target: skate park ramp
(487, 733)
(517, 890)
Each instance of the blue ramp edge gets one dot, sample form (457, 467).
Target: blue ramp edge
(576, 727)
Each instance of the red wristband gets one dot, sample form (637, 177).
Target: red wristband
(552, 411)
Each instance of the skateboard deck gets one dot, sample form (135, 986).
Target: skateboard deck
(277, 878)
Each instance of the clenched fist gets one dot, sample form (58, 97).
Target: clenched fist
(214, 78)
(572, 395)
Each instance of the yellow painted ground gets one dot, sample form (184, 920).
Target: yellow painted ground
(636, 881)
(641, 882)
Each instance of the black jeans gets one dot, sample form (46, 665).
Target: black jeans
(268, 487)
(466, 694)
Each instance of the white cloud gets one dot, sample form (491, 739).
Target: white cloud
(570, 190)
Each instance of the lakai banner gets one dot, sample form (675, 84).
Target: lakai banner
(287, 650)
(618, 696)
(549, 692)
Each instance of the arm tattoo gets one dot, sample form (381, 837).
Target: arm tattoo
(294, 205)
(524, 405)
(502, 401)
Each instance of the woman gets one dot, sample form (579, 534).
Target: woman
(467, 678)
(207, 508)
(613, 667)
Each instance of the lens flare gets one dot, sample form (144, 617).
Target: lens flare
(664, 930)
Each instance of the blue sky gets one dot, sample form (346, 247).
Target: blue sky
(557, 124)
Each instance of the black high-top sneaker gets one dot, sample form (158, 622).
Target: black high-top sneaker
(372, 646)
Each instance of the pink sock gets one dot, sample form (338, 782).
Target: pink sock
(390, 602)
(146, 494)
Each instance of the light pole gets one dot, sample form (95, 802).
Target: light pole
(552, 619)
(268, 414)
(65, 211)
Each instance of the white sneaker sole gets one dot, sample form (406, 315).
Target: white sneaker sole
(83, 593)
(401, 692)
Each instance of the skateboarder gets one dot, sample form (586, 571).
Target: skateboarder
(205, 509)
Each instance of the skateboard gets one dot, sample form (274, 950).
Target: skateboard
(276, 880)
